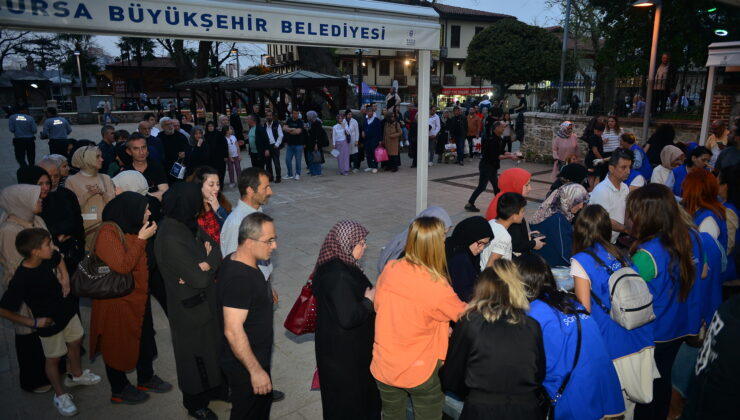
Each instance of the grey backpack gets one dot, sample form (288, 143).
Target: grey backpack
(630, 299)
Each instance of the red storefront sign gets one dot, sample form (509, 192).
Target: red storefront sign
(467, 90)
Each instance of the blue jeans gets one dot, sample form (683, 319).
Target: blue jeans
(370, 155)
(293, 152)
(460, 144)
(313, 168)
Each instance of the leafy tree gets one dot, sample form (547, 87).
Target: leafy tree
(183, 56)
(138, 49)
(510, 52)
(68, 44)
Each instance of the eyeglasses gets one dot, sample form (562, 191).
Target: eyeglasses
(269, 242)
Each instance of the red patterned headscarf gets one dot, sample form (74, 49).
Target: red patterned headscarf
(339, 243)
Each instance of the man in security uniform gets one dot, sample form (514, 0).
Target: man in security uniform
(56, 129)
(24, 129)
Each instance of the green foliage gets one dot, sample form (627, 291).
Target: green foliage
(511, 52)
(138, 49)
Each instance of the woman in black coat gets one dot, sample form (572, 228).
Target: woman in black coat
(463, 250)
(218, 150)
(345, 326)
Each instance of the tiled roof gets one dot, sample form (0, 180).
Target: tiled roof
(444, 9)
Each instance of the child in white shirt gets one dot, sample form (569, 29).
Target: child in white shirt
(510, 210)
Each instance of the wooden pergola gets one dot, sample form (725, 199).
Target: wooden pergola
(213, 91)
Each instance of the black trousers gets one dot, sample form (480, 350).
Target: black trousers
(508, 142)
(665, 355)
(355, 159)
(195, 402)
(659, 101)
(273, 160)
(245, 405)
(25, 151)
(58, 147)
(147, 352)
(487, 174)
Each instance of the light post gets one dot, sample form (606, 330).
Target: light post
(79, 72)
(563, 54)
(651, 70)
(238, 69)
(359, 52)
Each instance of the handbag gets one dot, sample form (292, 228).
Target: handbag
(381, 154)
(178, 170)
(302, 316)
(316, 156)
(546, 403)
(95, 279)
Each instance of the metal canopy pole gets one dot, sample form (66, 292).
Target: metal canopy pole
(422, 148)
(563, 54)
(707, 106)
(651, 73)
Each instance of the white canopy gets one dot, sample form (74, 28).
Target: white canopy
(348, 23)
(721, 54)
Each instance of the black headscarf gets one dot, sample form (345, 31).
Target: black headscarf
(30, 174)
(470, 230)
(574, 172)
(182, 202)
(127, 211)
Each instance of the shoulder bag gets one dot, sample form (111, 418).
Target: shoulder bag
(94, 279)
(302, 317)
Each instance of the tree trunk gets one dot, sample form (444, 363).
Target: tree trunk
(204, 52)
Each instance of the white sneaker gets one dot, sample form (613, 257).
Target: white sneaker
(354, 171)
(287, 177)
(368, 169)
(87, 378)
(65, 406)
(297, 177)
(375, 171)
(431, 163)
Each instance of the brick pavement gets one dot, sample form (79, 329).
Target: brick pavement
(304, 212)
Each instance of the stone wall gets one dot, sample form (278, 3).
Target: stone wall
(540, 128)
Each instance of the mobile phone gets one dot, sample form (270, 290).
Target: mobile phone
(537, 235)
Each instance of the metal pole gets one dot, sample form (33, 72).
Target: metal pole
(651, 73)
(563, 54)
(422, 149)
(79, 71)
(359, 79)
(707, 106)
(238, 68)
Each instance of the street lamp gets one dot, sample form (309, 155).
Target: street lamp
(79, 72)
(360, 65)
(238, 69)
(651, 70)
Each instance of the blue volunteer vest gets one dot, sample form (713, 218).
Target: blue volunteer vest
(672, 318)
(706, 294)
(646, 169)
(619, 341)
(594, 390)
(679, 174)
(702, 214)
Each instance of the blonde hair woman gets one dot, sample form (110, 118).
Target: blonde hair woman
(496, 359)
(414, 304)
(93, 189)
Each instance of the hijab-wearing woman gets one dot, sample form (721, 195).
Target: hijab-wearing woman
(21, 205)
(316, 140)
(134, 181)
(395, 247)
(570, 173)
(663, 137)
(118, 327)
(516, 180)
(698, 158)
(217, 150)
(554, 219)
(63, 165)
(667, 254)
(671, 157)
(391, 136)
(215, 208)
(496, 359)
(631, 351)
(93, 190)
(593, 391)
(564, 144)
(188, 259)
(414, 304)
(345, 325)
(463, 249)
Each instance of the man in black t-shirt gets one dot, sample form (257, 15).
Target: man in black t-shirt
(156, 178)
(245, 300)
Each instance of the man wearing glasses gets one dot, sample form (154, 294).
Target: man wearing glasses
(246, 313)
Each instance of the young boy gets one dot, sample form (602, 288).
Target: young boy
(510, 210)
(55, 316)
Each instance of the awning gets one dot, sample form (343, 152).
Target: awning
(477, 90)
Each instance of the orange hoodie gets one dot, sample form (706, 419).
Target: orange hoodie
(411, 325)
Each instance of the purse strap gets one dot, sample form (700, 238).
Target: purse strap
(575, 362)
(95, 235)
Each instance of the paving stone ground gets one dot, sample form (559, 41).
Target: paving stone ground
(304, 212)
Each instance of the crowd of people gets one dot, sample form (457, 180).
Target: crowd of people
(484, 315)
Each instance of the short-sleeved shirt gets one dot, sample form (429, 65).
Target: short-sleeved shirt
(612, 199)
(295, 139)
(243, 287)
(40, 289)
(597, 142)
(500, 244)
(154, 174)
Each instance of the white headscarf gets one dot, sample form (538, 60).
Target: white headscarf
(131, 181)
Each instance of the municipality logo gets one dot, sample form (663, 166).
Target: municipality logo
(411, 33)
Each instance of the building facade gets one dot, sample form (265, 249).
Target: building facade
(382, 68)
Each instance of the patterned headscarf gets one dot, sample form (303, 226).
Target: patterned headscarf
(561, 201)
(565, 129)
(340, 242)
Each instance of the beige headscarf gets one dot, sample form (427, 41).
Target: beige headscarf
(131, 181)
(668, 155)
(86, 159)
(20, 201)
